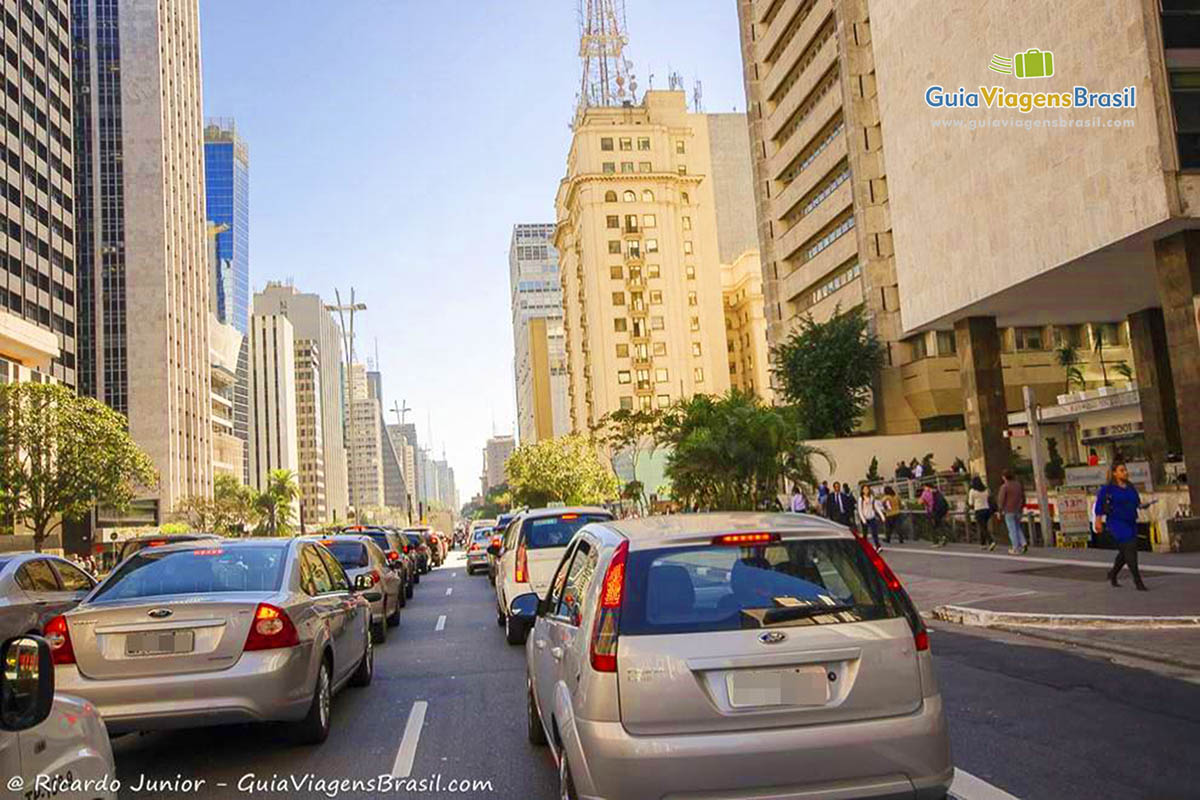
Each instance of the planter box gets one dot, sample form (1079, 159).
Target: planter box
(1183, 534)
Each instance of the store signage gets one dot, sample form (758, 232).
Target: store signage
(1118, 400)
(1073, 514)
(1122, 430)
(1080, 477)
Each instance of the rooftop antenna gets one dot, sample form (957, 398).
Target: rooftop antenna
(698, 97)
(607, 78)
(401, 410)
(674, 81)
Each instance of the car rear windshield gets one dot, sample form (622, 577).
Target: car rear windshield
(414, 539)
(149, 573)
(380, 538)
(483, 534)
(555, 531)
(349, 554)
(720, 588)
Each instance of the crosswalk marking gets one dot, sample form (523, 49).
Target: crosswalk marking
(966, 786)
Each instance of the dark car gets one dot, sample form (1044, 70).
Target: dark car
(131, 546)
(418, 539)
(34, 588)
(395, 549)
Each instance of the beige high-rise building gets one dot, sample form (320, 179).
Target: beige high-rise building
(364, 454)
(141, 265)
(310, 433)
(746, 325)
(495, 454)
(273, 443)
(654, 196)
(539, 343)
(225, 342)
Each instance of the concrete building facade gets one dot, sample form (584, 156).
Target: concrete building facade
(539, 342)
(639, 248)
(364, 439)
(226, 344)
(273, 440)
(495, 453)
(38, 289)
(310, 434)
(746, 325)
(142, 266)
(312, 322)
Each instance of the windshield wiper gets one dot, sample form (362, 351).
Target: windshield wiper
(772, 616)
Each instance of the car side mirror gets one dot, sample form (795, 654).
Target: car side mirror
(26, 682)
(493, 549)
(362, 583)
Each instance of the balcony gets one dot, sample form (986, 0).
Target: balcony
(778, 27)
(820, 12)
(810, 79)
(808, 226)
(810, 176)
(820, 115)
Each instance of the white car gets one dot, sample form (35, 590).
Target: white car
(533, 545)
(50, 745)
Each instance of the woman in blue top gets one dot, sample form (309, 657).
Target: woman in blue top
(1117, 506)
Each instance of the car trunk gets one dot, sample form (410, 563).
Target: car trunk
(134, 639)
(542, 563)
(737, 680)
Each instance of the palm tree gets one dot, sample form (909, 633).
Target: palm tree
(1098, 346)
(274, 502)
(1068, 358)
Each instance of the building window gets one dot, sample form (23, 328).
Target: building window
(1068, 336)
(690, 271)
(629, 196)
(842, 278)
(606, 143)
(660, 348)
(645, 401)
(698, 374)
(614, 247)
(652, 245)
(657, 323)
(693, 300)
(618, 298)
(610, 196)
(1185, 97)
(1029, 339)
(612, 221)
(622, 351)
(608, 168)
(687, 248)
(626, 143)
(664, 400)
(652, 270)
(680, 147)
(647, 196)
(696, 348)
(631, 223)
(649, 221)
(623, 376)
(639, 352)
(687, 223)
(639, 328)
(661, 375)
(620, 324)
(645, 166)
(627, 403)
(1107, 332)
(635, 273)
(918, 348)
(616, 272)
(695, 323)
(635, 300)
(684, 198)
(683, 169)
(634, 249)
(656, 297)
(946, 344)
(643, 143)
(627, 167)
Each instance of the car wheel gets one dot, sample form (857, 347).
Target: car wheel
(314, 728)
(500, 620)
(393, 619)
(401, 597)
(533, 724)
(379, 631)
(366, 668)
(514, 632)
(566, 784)
(408, 588)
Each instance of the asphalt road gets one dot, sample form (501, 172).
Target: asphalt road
(1033, 721)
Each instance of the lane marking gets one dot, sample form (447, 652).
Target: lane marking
(450, 591)
(441, 623)
(1151, 568)
(966, 786)
(402, 766)
(453, 574)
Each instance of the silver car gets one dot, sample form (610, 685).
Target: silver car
(35, 588)
(733, 656)
(360, 556)
(477, 553)
(208, 633)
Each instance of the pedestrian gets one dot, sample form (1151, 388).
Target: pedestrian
(1117, 505)
(936, 509)
(869, 514)
(836, 506)
(891, 514)
(1011, 501)
(902, 471)
(1093, 457)
(823, 497)
(848, 506)
(799, 501)
(918, 471)
(980, 503)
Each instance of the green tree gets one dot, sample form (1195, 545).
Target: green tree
(735, 452)
(274, 502)
(229, 512)
(567, 470)
(61, 454)
(1123, 369)
(826, 370)
(631, 432)
(1055, 471)
(1098, 347)
(1068, 358)
(873, 469)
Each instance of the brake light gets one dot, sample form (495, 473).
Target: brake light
(737, 539)
(58, 636)
(921, 639)
(569, 516)
(521, 573)
(920, 634)
(271, 628)
(393, 555)
(474, 546)
(374, 576)
(215, 551)
(612, 591)
(156, 543)
(880, 565)
(327, 542)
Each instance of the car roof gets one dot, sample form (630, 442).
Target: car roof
(691, 527)
(202, 544)
(542, 513)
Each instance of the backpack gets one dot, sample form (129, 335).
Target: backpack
(940, 506)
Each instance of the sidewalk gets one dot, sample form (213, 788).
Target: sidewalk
(1060, 594)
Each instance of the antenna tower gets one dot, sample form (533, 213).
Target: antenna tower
(607, 77)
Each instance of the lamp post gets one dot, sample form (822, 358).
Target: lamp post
(348, 349)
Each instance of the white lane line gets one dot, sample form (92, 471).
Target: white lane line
(450, 591)
(441, 623)
(402, 766)
(966, 786)
(1076, 562)
(453, 574)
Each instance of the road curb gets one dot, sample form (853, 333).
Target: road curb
(983, 618)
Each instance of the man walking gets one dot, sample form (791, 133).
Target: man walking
(1011, 501)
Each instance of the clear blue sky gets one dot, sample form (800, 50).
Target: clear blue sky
(394, 143)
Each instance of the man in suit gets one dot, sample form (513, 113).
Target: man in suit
(839, 507)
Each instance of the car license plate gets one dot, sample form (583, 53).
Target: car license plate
(158, 643)
(789, 686)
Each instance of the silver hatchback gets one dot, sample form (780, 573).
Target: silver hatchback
(734, 656)
(35, 588)
(207, 633)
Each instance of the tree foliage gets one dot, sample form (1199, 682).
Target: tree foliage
(274, 503)
(734, 452)
(229, 512)
(826, 370)
(61, 454)
(629, 432)
(567, 469)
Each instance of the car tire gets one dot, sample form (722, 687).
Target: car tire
(314, 728)
(393, 619)
(500, 618)
(514, 632)
(379, 631)
(534, 729)
(366, 667)
(566, 783)
(401, 597)
(408, 589)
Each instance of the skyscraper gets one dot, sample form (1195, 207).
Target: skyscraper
(363, 455)
(312, 322)
(395, 493)
(310, 433)
(37, 305)
(273, 429)
(539, 343)
(227, 204)
(142, 266)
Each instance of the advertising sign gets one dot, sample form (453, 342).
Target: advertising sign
(1080, 477)
(1074, 519)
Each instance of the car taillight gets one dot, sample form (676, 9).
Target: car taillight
(271, 628)
(737, 539)
(608, 615)
(880, 565)
(921, 639)
(474, 546)
(58, 636)
(920, 634)
(521, 573)
(374, 576)
(393, 555)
